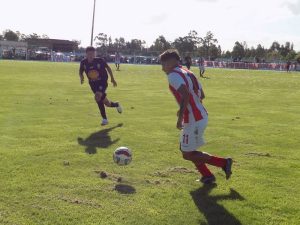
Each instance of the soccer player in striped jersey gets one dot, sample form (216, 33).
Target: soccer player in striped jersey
(192, 117)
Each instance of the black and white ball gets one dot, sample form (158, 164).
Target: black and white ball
(122, 156)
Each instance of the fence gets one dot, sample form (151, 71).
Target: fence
(252, 66)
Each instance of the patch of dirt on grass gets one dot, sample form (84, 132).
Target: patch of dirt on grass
(79, 201)
(109, 176)
(158, 182)
(177, 169)
(258, 154)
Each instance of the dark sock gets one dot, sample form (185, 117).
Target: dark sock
(102, 110)
(114, 104)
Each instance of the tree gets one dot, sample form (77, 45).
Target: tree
(275, 46)
(194, 39)
(297, 57)
(227, 54)
(260, 51)
(101, 41)
(9, 35)
(33, 36)
(160, 44)
(135, 46)
(238, 51)
(208, 41)
(291, 55)
(45, 36)
(119, 44)
(1, 37)
(215, 51)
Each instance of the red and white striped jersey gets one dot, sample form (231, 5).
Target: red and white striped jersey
(195, 110)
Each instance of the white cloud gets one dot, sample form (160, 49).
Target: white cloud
(294, 7)
(157, 19)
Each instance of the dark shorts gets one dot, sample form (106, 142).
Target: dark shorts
(99, 86)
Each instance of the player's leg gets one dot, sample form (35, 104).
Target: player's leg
(95, 88)
(192, 138)
(111, 104)
(188, 146)
(101, 98)
(98, 99)
(203, 71)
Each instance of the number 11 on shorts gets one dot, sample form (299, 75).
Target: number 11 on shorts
(185, 139)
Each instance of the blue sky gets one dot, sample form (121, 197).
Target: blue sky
(255, 21)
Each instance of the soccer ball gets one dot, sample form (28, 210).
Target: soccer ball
(122, 156)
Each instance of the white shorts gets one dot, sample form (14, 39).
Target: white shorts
(117, 62)
(202, 68)
(192, 135)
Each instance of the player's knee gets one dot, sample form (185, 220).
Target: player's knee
(187, 156)
(205, 157)
(98, 96)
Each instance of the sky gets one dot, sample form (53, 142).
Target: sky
(253, 21)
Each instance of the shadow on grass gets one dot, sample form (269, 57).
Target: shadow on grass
(215, 213)
(100, 139)
(125, 189)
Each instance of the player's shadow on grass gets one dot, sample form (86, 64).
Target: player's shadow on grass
(215, 213)
(100, 139)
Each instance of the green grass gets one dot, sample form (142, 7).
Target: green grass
(253, 117)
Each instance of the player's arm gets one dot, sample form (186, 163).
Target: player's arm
(111, 75)
(81, 70)
(202, 94)
(185, 96)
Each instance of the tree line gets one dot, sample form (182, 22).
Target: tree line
(191, 44)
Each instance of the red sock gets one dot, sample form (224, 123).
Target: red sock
(202, 168)
(216, 161)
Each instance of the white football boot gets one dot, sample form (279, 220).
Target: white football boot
(119, 108)
(104, 122)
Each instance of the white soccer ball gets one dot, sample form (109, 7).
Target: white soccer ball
(122, 156)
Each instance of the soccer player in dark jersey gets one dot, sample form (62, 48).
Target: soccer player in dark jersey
(97, 71)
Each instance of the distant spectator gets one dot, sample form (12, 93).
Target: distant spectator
(288, 66)
(188, 62)
(118, 60)
(201, 66)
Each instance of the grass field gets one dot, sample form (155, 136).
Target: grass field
(49, 124)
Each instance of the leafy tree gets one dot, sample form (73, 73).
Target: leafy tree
(208, 41)
(238, 51)
(102, 42)
(119, 44)
(33, 36)
(275, 46)
(215, 52)
(45, 36)
(291, 55)
(9, 35)
(260, 51)
(160, 44)
(297, 57)
(135, 46)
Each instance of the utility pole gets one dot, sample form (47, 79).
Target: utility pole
(93, 23)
